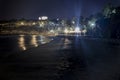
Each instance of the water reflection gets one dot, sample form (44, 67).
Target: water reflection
(16, 43)
(29, 41)
(34, 41)
(66, 43)
(21, 42)
(25, 42)
(43, 40)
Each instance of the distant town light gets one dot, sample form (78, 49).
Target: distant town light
(66, 30)
(92, 24)
(33, 23)
(41, 24)
(57, 19)
(59, 29)
(52, 31)
(22, 23)
(84, 31)
(73, 22)
(43, 18)
(40, 18)
(77, 29)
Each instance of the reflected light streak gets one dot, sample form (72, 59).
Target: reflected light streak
(43, 40)
(34, 41)
(21, 42)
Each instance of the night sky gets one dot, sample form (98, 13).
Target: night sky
(32, 9)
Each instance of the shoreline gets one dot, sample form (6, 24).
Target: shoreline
(43, 34)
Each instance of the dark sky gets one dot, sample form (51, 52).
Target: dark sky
(32, 9)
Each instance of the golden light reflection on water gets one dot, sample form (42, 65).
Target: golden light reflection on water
(34, 41)
(28, 41)
(21, 42)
